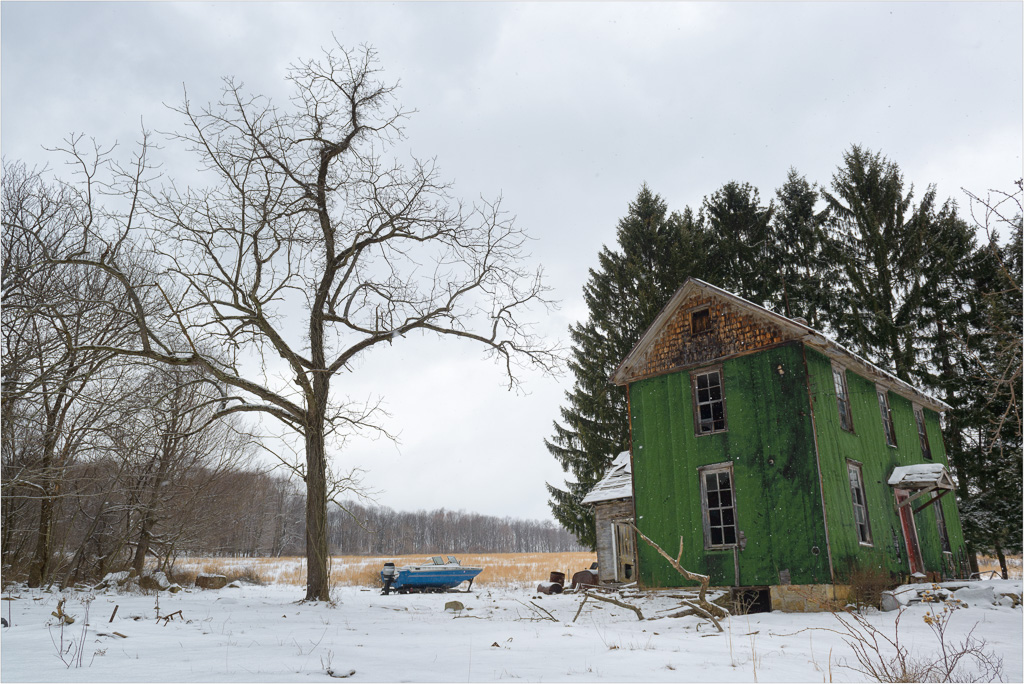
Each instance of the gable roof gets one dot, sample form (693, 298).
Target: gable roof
(617, 483)
(627, 371)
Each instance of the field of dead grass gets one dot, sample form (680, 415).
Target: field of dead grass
(1013, 565)
(500, 569)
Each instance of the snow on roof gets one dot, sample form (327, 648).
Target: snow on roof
(617, 483)
(807, 334)
(920, 475)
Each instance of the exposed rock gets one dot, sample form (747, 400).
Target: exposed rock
(157, 581)
(116, 579)
(976, 596)
(208, 581)
(889, 601)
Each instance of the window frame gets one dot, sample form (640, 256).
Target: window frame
(842, 390)
(885, 411)
(863, 529)
(940, 524)
(706, 508)
(695, 397)
(922, 433)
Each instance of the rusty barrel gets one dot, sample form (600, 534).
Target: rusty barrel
(557, 578)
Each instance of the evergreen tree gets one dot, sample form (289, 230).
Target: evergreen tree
(796, 246)
(989, 468)
(916, 295)
(888, 253)
(741, 248)
(656, 251)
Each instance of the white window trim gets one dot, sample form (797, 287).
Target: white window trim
(922, 433)
(696, 405)
(705, 514)
(859, 467)
(842, 396)
(885, 413)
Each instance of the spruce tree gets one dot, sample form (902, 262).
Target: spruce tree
(741, 251)
(655, 253)
(796, 250)
(989, 467)
(884, 245)
(916, 295)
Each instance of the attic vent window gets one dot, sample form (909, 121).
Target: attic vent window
(700, 321)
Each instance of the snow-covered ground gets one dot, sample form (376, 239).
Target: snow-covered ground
(255, 633)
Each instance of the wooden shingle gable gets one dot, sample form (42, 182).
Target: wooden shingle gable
(696, 327)
(735, 326)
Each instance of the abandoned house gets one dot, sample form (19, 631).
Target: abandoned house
(782, 461)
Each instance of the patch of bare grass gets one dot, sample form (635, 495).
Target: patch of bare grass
(499, 569)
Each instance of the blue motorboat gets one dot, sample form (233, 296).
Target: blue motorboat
(437, 574)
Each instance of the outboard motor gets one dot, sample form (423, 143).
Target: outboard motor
(387, 575)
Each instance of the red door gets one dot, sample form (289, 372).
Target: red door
(909, 532)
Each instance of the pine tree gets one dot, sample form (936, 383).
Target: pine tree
(656, 251)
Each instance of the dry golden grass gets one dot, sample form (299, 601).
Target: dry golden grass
(500, 569)
(1013, 565)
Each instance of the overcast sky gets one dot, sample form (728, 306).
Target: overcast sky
(565, 109)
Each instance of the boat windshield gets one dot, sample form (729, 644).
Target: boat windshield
(453, 560)
(438, 560)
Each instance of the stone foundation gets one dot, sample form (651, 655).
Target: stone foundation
(809, 598)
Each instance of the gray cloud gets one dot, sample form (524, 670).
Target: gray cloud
(565, 109)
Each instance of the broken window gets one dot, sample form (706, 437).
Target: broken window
(700, 321)
(860, 507)
(708, 402)
(842, 398)
(719, 506)
(940, 522)
(883, 408)
(922, 434)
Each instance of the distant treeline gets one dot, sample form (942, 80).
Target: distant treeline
(111, 508)
(381, 530)
(272, 523)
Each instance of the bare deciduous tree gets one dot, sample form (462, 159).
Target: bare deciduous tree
(310, 248)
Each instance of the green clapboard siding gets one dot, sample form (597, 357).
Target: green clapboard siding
(867, 445)
(770, 443)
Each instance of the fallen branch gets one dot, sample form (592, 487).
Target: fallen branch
(713, 611)
(167, 618)
(538, 610)
(552, 617)
(620, 604)
(586, 595)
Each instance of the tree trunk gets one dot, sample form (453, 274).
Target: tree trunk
(142, 546)
(1002, 562)
(317, 579)
(40, 568)
(955, 440)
